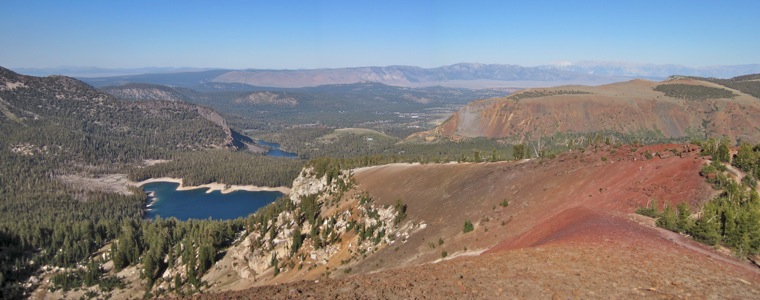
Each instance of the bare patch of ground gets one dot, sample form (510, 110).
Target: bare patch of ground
(111, 183)
(119, 183)
(151, 162)
(337, 133)
(215, 186)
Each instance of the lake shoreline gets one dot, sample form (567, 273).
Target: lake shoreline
(167, 197)
(215, 186)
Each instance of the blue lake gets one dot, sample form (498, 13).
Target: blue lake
(274, 149)
(197, 204)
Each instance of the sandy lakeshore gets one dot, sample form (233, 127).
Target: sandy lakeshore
(216, 186)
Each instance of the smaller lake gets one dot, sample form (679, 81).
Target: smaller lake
(274, 149)
(167, 202)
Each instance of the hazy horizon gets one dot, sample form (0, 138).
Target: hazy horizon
(338, 34)
(206, 68)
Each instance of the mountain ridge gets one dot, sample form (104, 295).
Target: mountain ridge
(41, 112)
(653, 71)
(681, 107)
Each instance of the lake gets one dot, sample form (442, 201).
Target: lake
(274, 149)
(197, 204)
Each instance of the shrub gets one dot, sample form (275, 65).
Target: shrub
(400, 212)
(749, 181)
(668, 219)
(520, 151)
(684, 222)
(468, 226)
(650, 211)
(297, 241)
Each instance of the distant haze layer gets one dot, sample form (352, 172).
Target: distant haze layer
(466, 75)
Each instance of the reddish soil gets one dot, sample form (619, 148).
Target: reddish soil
(576, 225)
(594, 271)
(444, 196)
(569, 231)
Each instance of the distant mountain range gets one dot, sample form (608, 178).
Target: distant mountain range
(73, 71)
(652, 71)
(466, 75)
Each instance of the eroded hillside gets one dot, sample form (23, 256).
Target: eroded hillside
(676, 108)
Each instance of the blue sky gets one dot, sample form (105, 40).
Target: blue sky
(317, 34)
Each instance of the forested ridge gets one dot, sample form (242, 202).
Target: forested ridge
(55, 126)
(68, 120)
(749, 84)
(44, 222)
(693, 92)
(240, 168)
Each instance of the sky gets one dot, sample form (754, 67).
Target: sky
(334, 34)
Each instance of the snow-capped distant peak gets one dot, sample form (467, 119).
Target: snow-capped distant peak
(562, 64)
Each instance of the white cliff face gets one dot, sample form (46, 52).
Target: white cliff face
(306, 184)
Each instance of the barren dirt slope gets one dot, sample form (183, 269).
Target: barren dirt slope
(568, 231)
(597, 271)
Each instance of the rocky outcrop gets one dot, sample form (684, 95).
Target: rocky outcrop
(307, 184)
(216, 118)
(347, 226)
